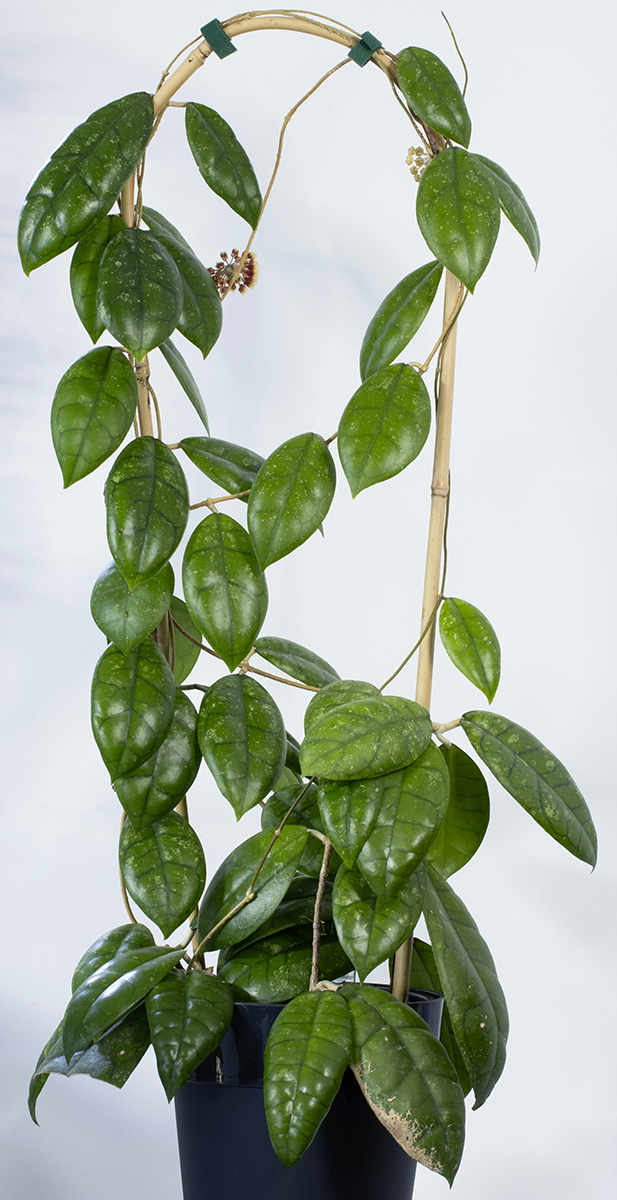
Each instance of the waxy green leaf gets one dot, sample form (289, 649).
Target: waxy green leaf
(231, 467)
(467, 814)
(296, 661)
(349, 811)
(333, 695)
(117, 941)
(242, 738)
(307, 1053)
(366, 738)
(224, 587)
(84, 273)
(370, 928)
(126, 617)
(399, 318)
(147, 508)
(425, 976)
(433, 94)
(140, 293)
(133, 698)
(384, 426)
(158, 785)
(469, 982)
(188, 1013)
(471, 642)
(514, 205)
(306, 812)
(164, 869)
(201, 318)
(290, 497)
(276, 968)
(295, 911)
(186, 653)
(92, 411)
(413, 806)
(458, 213)
(83, 177)
(222, 161)
(186, 379)
(536, 779)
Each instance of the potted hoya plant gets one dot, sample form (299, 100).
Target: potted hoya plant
(283, 1060)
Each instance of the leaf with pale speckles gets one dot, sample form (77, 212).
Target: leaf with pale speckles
(384, 426)
(458, 213)
(133, 699)
(164, 869)
(471, 642)
(242, 738)
(371, 929)
(92, 411)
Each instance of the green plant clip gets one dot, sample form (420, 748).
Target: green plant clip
(217, 39)
(364, 49)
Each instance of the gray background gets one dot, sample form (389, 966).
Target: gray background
(530, 533)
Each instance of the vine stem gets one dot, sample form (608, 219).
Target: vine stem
(321, 887)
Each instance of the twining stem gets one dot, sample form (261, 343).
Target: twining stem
(306, 687)
(321, 887)
(217, 499)
(144, 412)
(425, 631)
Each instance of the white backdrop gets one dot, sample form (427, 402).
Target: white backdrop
(530, 532)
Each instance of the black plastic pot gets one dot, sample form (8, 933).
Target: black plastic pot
(225, 1148)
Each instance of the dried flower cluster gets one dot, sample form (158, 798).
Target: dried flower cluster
(226, 275)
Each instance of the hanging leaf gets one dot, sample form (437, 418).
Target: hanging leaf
(140, 291)
(158, 785)
(117, 941)
(84, 273)
(112, 1059)
(229, 466)
(292, 758)
(467, 814)
(536, 779)
(413, 806)
(471, 642)
(133, 699)
(186, 379)
(222, 162)
(424, 975)
(92, 411)
(225, 590)
(384, 426)
(277, 968)
(83, 177)
(147, 508)
(399, 318)
(202, 314)
(307, 1053)
(229, 886)
(290, 497)
(306, 812)
(126, 617)
(188, 1013)
(242, 738)
(296, 661)
(333, 696)
(186, 653)
(514, 205)
(469, 983)
(164, 869)
(407, 1078)
(433, 94)
(458, 213)
(371, 929)
(366, 738)
(349, 811)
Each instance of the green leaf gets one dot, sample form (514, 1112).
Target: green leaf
(164, 869)
(140, 292)
(290, 497)
(229, 886)
(185, 378)
(469, 983)
(413, 806)
(296, 661)
(407, 1078)
(276, 968)
(133, 698)
(222, 162)
(83, 177)
(202, 314)
(333, 695)
(229, 466)
(186, 654)
(117, 941)
(366, 738)
(471, 642)
(295, 911)
(399, 318)
(188, 1013)
(371, 929)
(425, 976)
(384, 426)
(84, 273)
(458, 213)
(514, 205)
(112, 991)
(147, 508)
(467, 814)
(536, 779)
(242, 738)
(112, 1058)
(126, 617)
(292, 758)
(159, 784)
(431, 90)
(39, 1078)
(224, 587)
(307, 1053)
(306, 812)
(349, 811)
(92, 411)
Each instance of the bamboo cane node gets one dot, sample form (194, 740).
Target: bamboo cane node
(440, 491)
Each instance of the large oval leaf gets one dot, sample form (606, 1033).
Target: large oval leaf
(514, 205)
(290, 497)
(431, 90)
(92, 411)
(371, 929)
(471, 642)
(306, 812)
(202, 314)
(229, 466)
(333, 695)
(186, 653)
(277, 968)
(458, 213)
(186, 379)
(399, 318)
(222, 161)
(84, 175)
(133, 699)
(164, 869)
(188, 1013)
(349, 811)
(425, 976)
(224, 587)
(467, 814)
(307, 1053)
(536, 778)
(140, 291)
(126, 617)
(295, 910)
(84, 273)
(116, 941)
(147, 508)
(242, 738)
(158, 785)
(384, 426)
(366, 738)
(297, 661)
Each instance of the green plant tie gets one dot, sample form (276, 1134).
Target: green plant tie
(364, 49)
(217, 39)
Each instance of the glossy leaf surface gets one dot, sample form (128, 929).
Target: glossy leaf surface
(278, 967)
(384, 426)
(222, 161)
(514, 205)
(290, 497)
(84, 273)
(349, 811)
(147, 508)
(186, 379)
(201, 318)
(242, 738)
(366, 738)
(471, 642)
(133, 698)
(126, 617)
(371, 929)
(536, 779)
(399, 318)
(164, 869)
(92, 411)
(294, 912)
(306, 812)
(231, 467)
(333, 696)
(424, 975)
(117, 941)
(158, 785)
(112, 1058)
(458, 213)
(308, 1050)
(467, 814)
(84, 175)
(188, 1013)
(297, 661)
(432, 92)
(186, 653)
(140, 292)
(224, 587)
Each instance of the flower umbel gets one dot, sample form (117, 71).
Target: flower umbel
(226, 275)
